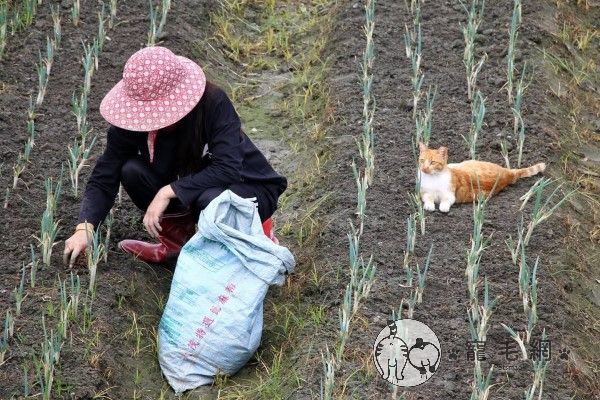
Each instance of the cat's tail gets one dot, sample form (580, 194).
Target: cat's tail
(529, 171)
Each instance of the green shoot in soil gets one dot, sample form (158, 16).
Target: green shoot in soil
(56, 25)
(477, 116)
(517, 338)
(113, 13)
(95, 252)
(518, 125)
(33, 265)
(361, 272)
(474, 19)
(541, 211)
(20, 292)
(3, 24)
(49, 226)
(513, 34)
(75, 10)
(413, 47)
(101, 36)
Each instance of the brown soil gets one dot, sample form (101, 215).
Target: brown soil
(93, 364)
(445, 298)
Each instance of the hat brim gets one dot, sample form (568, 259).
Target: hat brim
(137, 115)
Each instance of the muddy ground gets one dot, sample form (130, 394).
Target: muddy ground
(445, 299)
(104, 362)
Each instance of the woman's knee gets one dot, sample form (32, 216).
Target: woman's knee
(132, 172)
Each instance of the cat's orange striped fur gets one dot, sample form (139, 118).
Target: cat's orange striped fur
(447, 184)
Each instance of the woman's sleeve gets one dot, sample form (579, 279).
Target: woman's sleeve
(103, 184)
(225, 143)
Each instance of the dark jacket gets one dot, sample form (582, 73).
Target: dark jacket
(231, 158)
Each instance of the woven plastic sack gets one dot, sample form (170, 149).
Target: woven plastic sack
(212, 322)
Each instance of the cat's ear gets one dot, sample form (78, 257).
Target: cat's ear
(443, 151)
(422, 146)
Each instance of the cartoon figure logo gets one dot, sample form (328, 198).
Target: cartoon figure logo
(407, 353)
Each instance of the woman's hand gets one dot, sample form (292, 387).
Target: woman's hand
(155, 210)
(77, 243)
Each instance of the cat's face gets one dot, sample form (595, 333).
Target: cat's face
(432, 161)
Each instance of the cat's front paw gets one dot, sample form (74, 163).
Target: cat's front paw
(444, 207)
(429, 206)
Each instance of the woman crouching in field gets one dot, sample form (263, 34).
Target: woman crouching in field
(175, 143)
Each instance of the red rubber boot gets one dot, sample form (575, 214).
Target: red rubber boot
(177, 229)
(268, 229)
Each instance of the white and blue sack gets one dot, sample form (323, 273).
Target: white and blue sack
(212, 322)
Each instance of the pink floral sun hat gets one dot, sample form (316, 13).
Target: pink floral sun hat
(158, 89)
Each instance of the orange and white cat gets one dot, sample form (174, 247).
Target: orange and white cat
(447, 184)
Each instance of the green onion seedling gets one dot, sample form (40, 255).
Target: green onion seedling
(514, 246)
(152, 28)
(42, 80)
(477, 117)
(327, 383)
(95, 253)
(3, 349)
(3, 24)
(75, 294)
(20, 292)
(504, 152)
(56, 25)
(164, 10)
(540, 367)
(517, 338)
(9, 325)
(34, 264)
(113, 13)
(474, 19)
(541, 210)
(512, 43)
(518, 124)
(75, 10)
(101, 36)
(422, 276)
